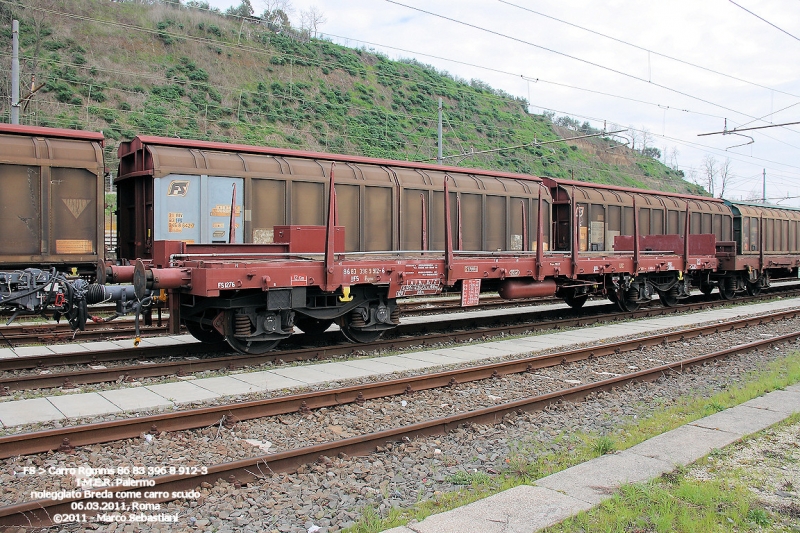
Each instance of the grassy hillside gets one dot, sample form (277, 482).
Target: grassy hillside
(127, 68)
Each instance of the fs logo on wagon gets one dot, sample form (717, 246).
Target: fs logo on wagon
(178, 188)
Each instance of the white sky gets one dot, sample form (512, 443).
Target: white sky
(715, 34)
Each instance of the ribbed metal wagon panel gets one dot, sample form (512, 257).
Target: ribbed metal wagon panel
(51, 208)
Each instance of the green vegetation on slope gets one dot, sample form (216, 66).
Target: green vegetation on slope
(127, 68)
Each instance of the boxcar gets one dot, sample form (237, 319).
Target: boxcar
(51, 208)
(174, 189)
(767, 242)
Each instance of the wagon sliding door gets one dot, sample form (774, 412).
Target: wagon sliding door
(20, 214)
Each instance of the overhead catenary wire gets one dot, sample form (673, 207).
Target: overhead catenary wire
(765, 20)
(683, 142)
(648, 50)
(289, 55)
(570, 56)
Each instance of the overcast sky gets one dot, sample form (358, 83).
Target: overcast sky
(510, 47)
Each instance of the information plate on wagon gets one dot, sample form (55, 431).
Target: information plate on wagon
(470, 292)
(419, 287)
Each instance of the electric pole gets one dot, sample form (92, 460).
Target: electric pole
(15, 72)
(440, 158)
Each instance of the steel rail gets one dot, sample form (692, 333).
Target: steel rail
(22, 334)
(38, 513)
(408, 335)
(82, 435)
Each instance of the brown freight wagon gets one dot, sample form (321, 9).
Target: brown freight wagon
(175, 189)
(767, 247)
(51, 208)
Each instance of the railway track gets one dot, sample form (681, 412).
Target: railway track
(43, 372)
(14, 335)
(38, 512)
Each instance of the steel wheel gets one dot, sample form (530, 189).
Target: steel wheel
(669, 298)
(754, 289)
(353, 333)
(576, 302)
(310, 325)
(203, 333)
(726, 289)
(627, 300)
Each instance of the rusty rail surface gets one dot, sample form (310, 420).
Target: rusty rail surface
(405, 335)
(53, 439)
(38, 513)
(49, 332)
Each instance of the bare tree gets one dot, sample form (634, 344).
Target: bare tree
(693, 177)
(277, 5)
(312, 19)
(753, 196)
(673, 157)
(277, 13)
(635, 136)
(724, 175)
(709, 173)
(646, 138)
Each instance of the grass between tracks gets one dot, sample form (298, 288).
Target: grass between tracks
(671, 503)
(721, 492)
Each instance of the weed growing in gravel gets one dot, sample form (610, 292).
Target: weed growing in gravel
(603, 445)
(664, 505)
(713, 407)
(469, 478)
(688, 509)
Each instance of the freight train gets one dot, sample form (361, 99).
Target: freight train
(246, 243)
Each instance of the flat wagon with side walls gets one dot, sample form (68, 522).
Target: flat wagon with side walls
(671, 240)
(274, 201)
(301, 256)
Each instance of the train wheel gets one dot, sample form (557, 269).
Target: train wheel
(627, 300)
(350, 329)
(669, 298)
(310, 325)
(251, 347)
(241, 326)
(203, 333)
(726, 289)
(754, 289)
(576, 302)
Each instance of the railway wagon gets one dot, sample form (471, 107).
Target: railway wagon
(51, 207)
(598, 221)
(766, 246)
(174, 189)
(390, 229)
(275, 205)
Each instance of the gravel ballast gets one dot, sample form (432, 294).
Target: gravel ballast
(331, 494)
